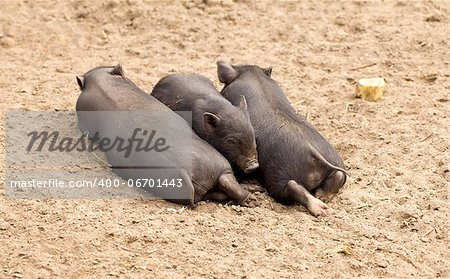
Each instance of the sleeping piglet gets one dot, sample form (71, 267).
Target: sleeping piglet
(297, 163)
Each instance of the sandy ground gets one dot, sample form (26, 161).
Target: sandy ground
(391, 219)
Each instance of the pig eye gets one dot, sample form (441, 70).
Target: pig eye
(231, 141)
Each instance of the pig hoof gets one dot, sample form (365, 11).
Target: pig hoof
(253, 188)
(318, 208)
(323, 196)
(251, 201)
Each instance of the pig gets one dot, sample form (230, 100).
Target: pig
(226, 127)
(297, 163)
(210, 175)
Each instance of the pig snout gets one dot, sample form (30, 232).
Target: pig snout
(248, 164)
(253, 165)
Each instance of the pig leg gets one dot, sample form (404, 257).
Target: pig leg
(216, 196)
(252, 188)
(298, 193)
(229, 185)
(331, 186)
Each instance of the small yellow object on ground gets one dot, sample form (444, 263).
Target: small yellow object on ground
(370, 89)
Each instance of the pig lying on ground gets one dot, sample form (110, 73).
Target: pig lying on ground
(295, 159)
(106, 89)
(226, 127)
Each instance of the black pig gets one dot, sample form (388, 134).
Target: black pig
(296, 161)
(226, 127)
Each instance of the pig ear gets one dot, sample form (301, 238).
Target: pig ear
(80, 81)
(118, 71)
(210, 122)
(243, 103)
(227, 74)
(268, 71)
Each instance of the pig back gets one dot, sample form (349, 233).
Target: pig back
(181, 91)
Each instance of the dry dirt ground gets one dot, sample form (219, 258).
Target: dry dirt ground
(391, 219)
